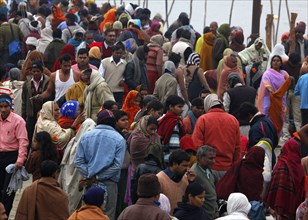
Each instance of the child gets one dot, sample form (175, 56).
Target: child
(42, 149)
(110, 105)
(171, 127)
(121, 121)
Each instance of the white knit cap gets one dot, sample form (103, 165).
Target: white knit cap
(31, 41)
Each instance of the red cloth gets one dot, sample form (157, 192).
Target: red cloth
(67, 49)
(186, 143)
(129, 106)
(57, 16)
(167, 124)
(286, 190)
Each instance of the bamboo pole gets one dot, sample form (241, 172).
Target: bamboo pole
(231, 11)
(279, 11)
(272, 12)
(288, 11)
(167, 15)
(292, 33)
(205, 9)
(168, 12)
(268, 30)
(190, 9)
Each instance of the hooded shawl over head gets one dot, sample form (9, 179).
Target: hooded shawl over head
(206, 52)
(140, 65)
(95, 53)
(129, 106)
(67, 49)
(26, 68)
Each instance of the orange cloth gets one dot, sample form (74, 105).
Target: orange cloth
(109, 17)
(275, 110)
(206, 52)
(129, 106)
(57, 16)
(88, 212)
(66, 123)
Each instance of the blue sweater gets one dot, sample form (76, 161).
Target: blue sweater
(100, 153)
(301, 89)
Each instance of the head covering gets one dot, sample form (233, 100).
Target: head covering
(130, 8)
(96, 44)
(280, 51)
(285, 37)
(140, 53)
(187, 143)
(301, 27)
(129, 107)
(14, 73)
(67, 49)
(230, 61)
(155, 24)
(95, 52)
(57, 13)
(46, 34)
(94, 196)
(210, 101)
(233, 79)
(193, 59)
(35, 25)
(157, 39)
(70, 109)
(104, 114)
(169, 67)
(164, 203)
(148, 186)
(238, 202)
(6, 98)
(117, 25)
(130, 45)
(31, 41)
(26, 68)
(47, 111)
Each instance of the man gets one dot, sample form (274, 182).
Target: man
(301, 44)
(146, 207)
(301, 90)
(173, 180)
(110, 37)
(35, 84)
(88, 39)
(221, 130)
(13, 147)
(183, 47)
(100, 155)
(67, 33)
(53, 49)
(213, 27)
(60, 80)
(204, 93)
(175, 25)
(44, 198)
(82, 61)
(3, 215)
(220, 44)
(94, 205)
(6, 37)
(112, 70)
(31, 44)
(205, 160)
(197, 109)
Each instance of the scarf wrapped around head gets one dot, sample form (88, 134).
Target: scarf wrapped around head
(210, 101)
(67, 49)
(193, 59)
(129, 106)
(35, 26)
(95, 53)
(238, 202)
(57, 14)
(6, 98)
(70, 109)
(224, 32)
(156, 40)
(169, 67)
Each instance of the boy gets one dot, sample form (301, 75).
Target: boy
(171, 127)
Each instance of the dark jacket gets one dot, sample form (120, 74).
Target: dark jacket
(297, 47)
(129, 75)
(186, 211)
(52, 52)
(95, 62)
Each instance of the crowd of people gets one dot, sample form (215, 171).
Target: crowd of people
(116, 118)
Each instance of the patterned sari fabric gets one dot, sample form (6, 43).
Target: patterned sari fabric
(286, 190)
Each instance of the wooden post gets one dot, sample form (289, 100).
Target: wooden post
(231, 11)
(273, 28)
(268, 30)
(167, 15)
(288, 12)
(256, 14)
(276, 35)
(190, 9)
(205, 9)
(168, 12)
(292, 33)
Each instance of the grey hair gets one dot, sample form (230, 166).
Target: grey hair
(203, 150)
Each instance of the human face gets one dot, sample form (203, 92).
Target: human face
(181, 169)
(258, 46)
(203, 95)
(151, 129)
(143, 93)
(137, 101)
(197, 200)
(122, 123)
(37, 74)
(208, 160)
(89, 38)
(299, 35)
(197, 110)
(117, 54)
(66, 66)
(156, 114)
(276, 63)
(83, 60)
(177, 109)
(56, 112)
(5, 110)
(110, 38)
(213, 27)
(3, 215)
(35, 144)
(114, 108)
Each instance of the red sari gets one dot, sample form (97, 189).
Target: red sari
(129, 106)
(67, 49)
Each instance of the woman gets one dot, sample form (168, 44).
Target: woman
(69, 112)
(57, 16)
(69, 49)
(286, 189)
(69, 176)
(154, 28)
(191, 205)
(280, 51)
(132, 105)
(42, 149)
(44, 41)
(155, 60)
(47, 121)
(230, 66)
(238, 207)
(206, 52)
(95, 56)
(26, 68)
(271, 95)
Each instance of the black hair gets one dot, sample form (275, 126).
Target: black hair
(204, 91)
(37, 64)
(206, 29)
(118, 46)
(79, 34)
(174, 100)
(186, 34)
(185, 21)
(124, 21)
(64, 3)
(71, 17)
(83, 51)
(108, 104)
(294, 58)
(118, 114)
(83, 12)
(177, 157)
(146, 49)
(247, 109)
(57, 33)
(279, 57)
(152, 121)
(146, 11)
(193, 189)
(108, 30)
(3, 17)
(155, 105)
(197, 102)
(42, 10)
(143, 17)
(175, 58)
(47, 148)
(48, 168)
(178, 33)
(65, 58)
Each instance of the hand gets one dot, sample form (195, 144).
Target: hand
(80, 118)
(191, 175)
(18, 165)
(272, 212)
(37, 97)
(121, 83)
